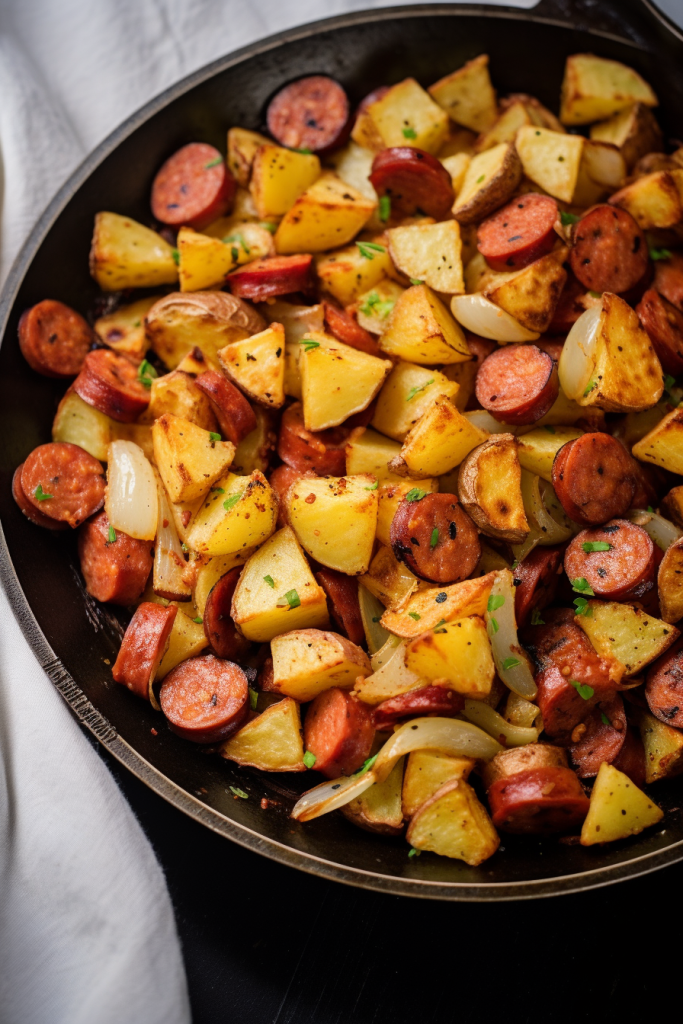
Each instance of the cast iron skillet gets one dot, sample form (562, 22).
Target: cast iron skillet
(74, 639)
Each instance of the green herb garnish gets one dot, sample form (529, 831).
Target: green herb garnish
(270, 581)
(231, 501)
(536, 619)
(373, 488)
(305, 151)
(146, 374)
(213, 163)
(413, 852)
(582, 607)
(495, 601)
(409, 133)
(582, 689)
(268, 225)
(595, 295)
(253, 698)
(309, 344)
(568, 218)
(291, 598)
(510, 663)
(551, 430)
(184, 547)
(416, 281)
(415, 616)
(581, 586)
(596, 545)
(384, 208)
(368, 249)
(415, 494)
(479, 179)
(214, 436)
(591, 386)
(40, 494)
(309, 759)
(650, 509)
(493, 625)
(367, 765)
(659, 254)
(417, 389)
(218, 490)
(237, 237)
(175, 253)
(239, 792)
(604, 718)
(441, 622)
(111, 536)
(199, 620)
(434, 539)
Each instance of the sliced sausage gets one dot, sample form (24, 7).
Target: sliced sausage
(143, 647)
(435, 538)
(430, 700)
(342, 602)
(312, 113)
(669, 279)
(235, 416)
(647, 484)
(54, 339)
(569, 308)
(347, 329)
(522, 759)
(631, 758)
(29, 509)
(302, 449)
(281, 479)
(623, 572)
(609, 251)
(115, 567)
(541, 801)
(664, 326)
(593, 479)
(664, 687)
(205, 699)
(193, 188)
(414, 180)
(339, 730)
(520, 233)
(601, 738)
(63, 482)
(272, 275)
(372, 97)
(220, 630)
(518, 384)
(536, 579)
(109, 382)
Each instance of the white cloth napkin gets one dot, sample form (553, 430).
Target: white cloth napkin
(87, 934)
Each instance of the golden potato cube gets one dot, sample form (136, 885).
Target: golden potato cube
(663, 746)
(618, 809)
(663, 446)
(371, 453)
(431, 253)
(125, 254)
(196, 362)
(390, 494)
(239, 512)
(389, 580)
(204, 262)
(458, 652)
(124, 329)
(209, 573)
(459, 140)
(80, 423)
(531, 295)
(278, 178)
(438, 442)
(210, 320)
(551, 159)
(454, 824)
(490, 489)
(347, 274)
(350, 503)
(242, 148)
(505, 127)
(177, 393)
(257, 365)
(625, 633)
(254, 451)
(374, 308)
(187, 640)
(188, 458)
(490, 180)
(672, 505)
(337, 380)
(379, 809)
(391, 679)
(421, 330)
(272, 742)
(594, 88)
(405, 116)
(407, 393)
(634, 130)
(328, 213)
(457, 166)
(426, 608)
(670, 583)
(468, 96)
(654, 201)
(353, 164)
(308, 661)
(425, 772)
(537, 449)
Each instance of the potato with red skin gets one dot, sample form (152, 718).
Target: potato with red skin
(624, 572)
(321, 451)
(435, 538)
(541, 801)
(193, 188)
(115, 570)
(205, 699)
(593, 479)
(609, 250)
(109, 382)
(235, 416)
(143, 647)
(54, 339)
(310, 113)
(518, 384)
(70, 482)
(273, 275)
(519, 233)
(663, 323)
(339, 731)
(415, 181)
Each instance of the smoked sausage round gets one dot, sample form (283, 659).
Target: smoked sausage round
(193, 188)
(631, 758)
(514, 760)
(63, 482)
(273, 275)
(609, 251)
(143, 647)
(302, 449)
(624, 571)
(430, 700)
(664, 687)
(517, 384)
(664, 326)
(669, 279)
(205, 699)
(593, 479)
(536, 579)
(347, 329)
(602, 736)
(54, 339)
(519, 233)
(114, 570)
(29, 509)
(312, 113)
(339, 730)
(235, 416)
(342, 602)
(109, 382)
(221, 632)
(414, 180)
(541, 801)
(435, 538)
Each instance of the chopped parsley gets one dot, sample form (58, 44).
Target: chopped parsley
(309, 344)
(595, 295)
(253, 698)
(511, 663)
(596, 545)
(568, 218)
(551, 430)
(582, 689)
(536, 619)
(409, 133)
(213, 163)
(214, 436)
(231, 501)
(368, 249)
(415, 616)
(495, 601)
(199, 620)
(659, 254)
(373, 488)
(413, 852)
(40, 494)
(434, 539)
(175, 253)
(270, 581)
(291, 598)
(234, 254)
(146, 374)
(237, 237)
(239, 792)
(111, 536)
(367, 765)
(416, 281)
(493, 625)
(374, 305)
(305, 151)
(184, 547)
(581, 586)
(309, 759)
(590, 387)
(384, 208)
(669, 383)
(268, 225)
(417, 389)
(218, 490)
(650, 509)
(604, 718)
(479, 179)
(441, 622)
(415, 494)
(582, 607)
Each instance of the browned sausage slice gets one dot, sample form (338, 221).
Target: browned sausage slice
(109, 382)
(342, 601)
(193, 187)
(347, 329)
(664, 687)
(609, 252)
(517, 384)
(235, 416)
(541, 801)
(520, 233)
(669, 279)
(29, 509)
(631, 758)
(63, 482)
(664, 326)
(569, 308)
(54, 339)
(593, 479)
(272, 275)
(430, 700)
(281, 479)
(601, 738)
(205, 699)
(302, 449)
(414, 180)
(143, 647)
(339, 730)
(219, 627)
(617, 560)
(115, 567)
(312, 113)
(535, 579)
(435, 538)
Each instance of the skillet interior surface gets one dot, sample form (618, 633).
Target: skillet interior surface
(75, 639)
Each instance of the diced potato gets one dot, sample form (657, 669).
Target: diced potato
(438, 442)
(389, 580)
(196, 362)
(209, 573)
(457, 166)
(257, 365)
(460, 141)
(421, 330)
(374, 308)
(337, 381)
(210, 320)
(504, 128)
(347, 274)
(353, 164)
(663, 746)
(405, 116)
(188, 459)
(278, 178)
(239, 512)
(274, 573)
(125, 254)
(378, 809)
(428, 770)
(407, 393)
(663, 446)
(490, 180)
(594, 88)
(531, 295)
(428, 606)
(124, 329)
(371, 453)
(566, 411)
(254, 451)
(626, 633)
(537, 449)
(429, 253)
(390, 494)
(176, 393)
(243, 212)
(654, 200)
(297, 321)
(670, 583)
(635, 425)
(350, 503)
(618, 809)
(242, 148)
(204, 262)
(187, 640)
(489, 488)
(551, 159)
(672, 506)
(458, 652)
(80, 423)
(468, 96)
(391, 679)
(272, 742)
(308, 661)
(328, 213)
(454, 824)
(183, 513)
(634, 130)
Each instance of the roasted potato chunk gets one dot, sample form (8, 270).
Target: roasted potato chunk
(124, 329)
(458, 652)
(504, 128)
(625, 633)
(125, 254)
(438, 442)
(242, 148)
(537, 449)
(427, 607)
(187, 640)
(594, 88)
(489, 488)
(551, 159)
(348, 502)
(346, 274)
(531, 295)
(407, 393)
(257, 365)
(634, 130)
(337, 381)
(405, 107)
(176, 393)
(388, 579)
(239, 512)
(663, 746)
(80, 423)
(272, 742)
(278, 178)
(371, 453)
(654, 201)
(178, 322)
(454, 824)
(467, 95)
(663, 446)
(618, 809)
(379, 809)
(490, 180)
(189, 460)
(425, 772)
(421, 330)
(431, 253)
(328, 213)
(670, 583)
(308, 661)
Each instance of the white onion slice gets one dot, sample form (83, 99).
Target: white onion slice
(448, 735)
(519, 711)
(663, 532)
(505, 646)
(485, 421)
(548, 523)
(483, 317)
(577, 361)
(371, 611)
(483, 715)
(385, 653)
(329, 796)
(169, 564)
(131, 502)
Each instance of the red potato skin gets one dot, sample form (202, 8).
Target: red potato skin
(535, 580)
(609, 251)
(593, 479)
(219, 628)
(414, 180)
(311, 113)
(663, 323)
(54, 339)
(631, 758)
(457, 549)
(625, 573)
(523, 231)
(601, 741)
(664, 686)
(342, 602)
(205, 699)
(541, 801)
(29, 509)
(143, 647)
(346, 328)
(273, 275)
(430, 700)
(235, 416)
(193, 188)
(114, 572)
(109, 382)
(517, 384)
(339, 730)
(73, 477)
(322, 452)
(669, 279)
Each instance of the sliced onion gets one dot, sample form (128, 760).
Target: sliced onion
(169, 564)
(663, 532)
(485, 421)
(505, 646)
(577, 361)
(131, 502)
(448, 735)
(483, 715)
(483, 317)
(371, 611)
(386, 651)
(519, 711)
(548, 523)
(391, 679)
(329, 796)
